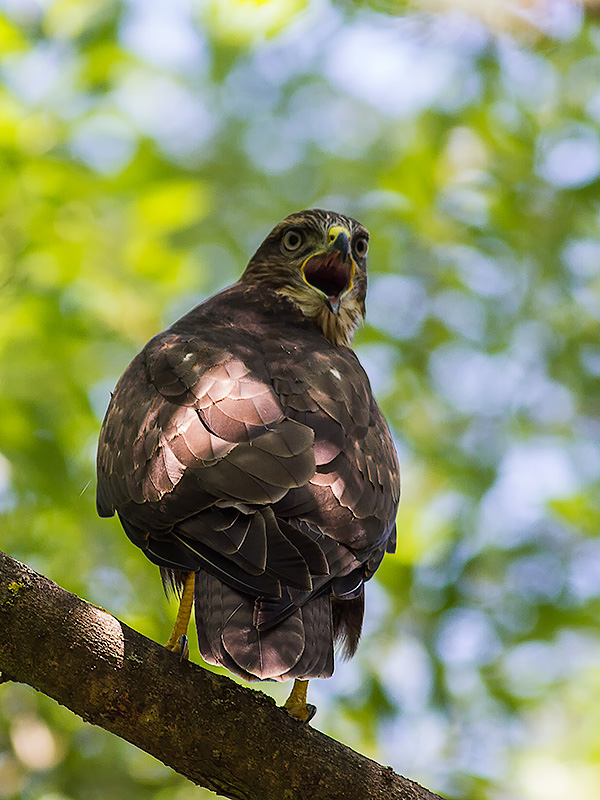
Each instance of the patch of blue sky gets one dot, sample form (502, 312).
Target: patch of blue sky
(569, 158)
(396, 73)
(105, 142)
(379, 361)
(493, 384)
(44, 76)
(462, 313)
(165, 109)
(163, 33)
(7, 498)
(530, 475)
(398, 305)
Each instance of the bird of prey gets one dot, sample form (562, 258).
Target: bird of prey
(244, 453)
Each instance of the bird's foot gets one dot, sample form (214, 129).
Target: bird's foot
(303, 711)
(180, 646)
(178, 640)
(296, 704)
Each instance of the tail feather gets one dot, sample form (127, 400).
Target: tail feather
(300, 646)
(317, 659)
(266, 654)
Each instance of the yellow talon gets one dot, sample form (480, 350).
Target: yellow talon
(296, 704)
(177, 642)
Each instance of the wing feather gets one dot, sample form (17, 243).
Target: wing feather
(260, 460)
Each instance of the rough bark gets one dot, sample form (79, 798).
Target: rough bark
(220, 735)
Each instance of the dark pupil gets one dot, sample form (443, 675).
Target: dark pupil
(293, 240)
(360, 246)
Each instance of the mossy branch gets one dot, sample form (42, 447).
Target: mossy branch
(218, 734)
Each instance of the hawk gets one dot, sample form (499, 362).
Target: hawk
(244, 453)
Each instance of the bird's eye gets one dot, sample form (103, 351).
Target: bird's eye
(361, 246)
(292, 240)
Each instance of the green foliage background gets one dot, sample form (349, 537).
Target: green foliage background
(145, 150)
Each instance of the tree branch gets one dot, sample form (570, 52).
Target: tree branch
(220, 735)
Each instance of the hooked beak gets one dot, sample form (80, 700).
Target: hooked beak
(339, 242)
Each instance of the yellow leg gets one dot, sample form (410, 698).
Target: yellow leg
(183, 616)
(296, 703)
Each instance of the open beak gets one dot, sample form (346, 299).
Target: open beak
(332, 271)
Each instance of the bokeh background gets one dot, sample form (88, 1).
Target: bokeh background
(146, 148)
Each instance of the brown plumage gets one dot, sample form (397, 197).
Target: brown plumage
(244, 444)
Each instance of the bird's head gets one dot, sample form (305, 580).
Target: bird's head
(318, 260)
